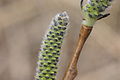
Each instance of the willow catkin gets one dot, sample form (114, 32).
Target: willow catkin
(50, 49)
(94, 10)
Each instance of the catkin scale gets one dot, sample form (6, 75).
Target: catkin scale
(50, 49)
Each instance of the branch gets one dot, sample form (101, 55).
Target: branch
(72, 69)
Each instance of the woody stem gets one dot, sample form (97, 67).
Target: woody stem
(71, 72)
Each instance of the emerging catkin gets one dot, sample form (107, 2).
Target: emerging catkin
(94, 10)
(50, 49)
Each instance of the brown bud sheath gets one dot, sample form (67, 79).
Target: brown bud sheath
(72, 69)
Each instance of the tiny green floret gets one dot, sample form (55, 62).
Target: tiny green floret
(94, 10)
(51, 46)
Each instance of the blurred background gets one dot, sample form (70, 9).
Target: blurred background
(23, 24)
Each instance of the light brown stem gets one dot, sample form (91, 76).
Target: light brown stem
(72, 69)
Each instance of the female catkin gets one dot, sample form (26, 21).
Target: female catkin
(50, 49)
(94, 10)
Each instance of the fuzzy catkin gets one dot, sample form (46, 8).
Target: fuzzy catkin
(93, 10)
(50, 49)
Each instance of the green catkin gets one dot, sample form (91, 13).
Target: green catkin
(94, 10)
(50, 49)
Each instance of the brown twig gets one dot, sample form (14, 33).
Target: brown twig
(72, 69)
